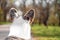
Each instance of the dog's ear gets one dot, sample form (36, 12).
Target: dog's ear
(29, 15)
(12, 12)
(15, 13)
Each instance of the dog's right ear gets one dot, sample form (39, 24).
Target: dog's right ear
(29, 15)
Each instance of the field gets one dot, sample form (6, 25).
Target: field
(46, 33)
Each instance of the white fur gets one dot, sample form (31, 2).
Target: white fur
(20, 28)
(19, 13)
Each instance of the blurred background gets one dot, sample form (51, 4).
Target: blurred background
(46, 24)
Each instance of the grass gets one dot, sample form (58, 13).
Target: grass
(47, 38)
(1, 23)
(50, 33)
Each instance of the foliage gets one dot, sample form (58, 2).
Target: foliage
(1, 14)
(47, 38)
(53, 20)
(1, 23)
(43, 33)
(40, 30)
(1, 11)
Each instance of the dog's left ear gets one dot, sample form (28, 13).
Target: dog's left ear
(30, 15)
(12, 12)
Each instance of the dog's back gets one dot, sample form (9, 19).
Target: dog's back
(13, 38)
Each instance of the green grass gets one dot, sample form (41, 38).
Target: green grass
(1, 23)
(50, 33)
(47, 38)
(40, 30)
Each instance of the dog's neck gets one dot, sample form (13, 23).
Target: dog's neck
(20, 28)
(19, 21)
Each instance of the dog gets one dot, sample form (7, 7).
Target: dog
(20, 28)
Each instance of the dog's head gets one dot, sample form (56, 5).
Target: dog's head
(14, 13)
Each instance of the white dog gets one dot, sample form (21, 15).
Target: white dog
(20, 28)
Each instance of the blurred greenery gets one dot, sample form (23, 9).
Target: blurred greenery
(50, 31)
(1, 23)
(53, 19)
(48, 38)
(44, 33)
